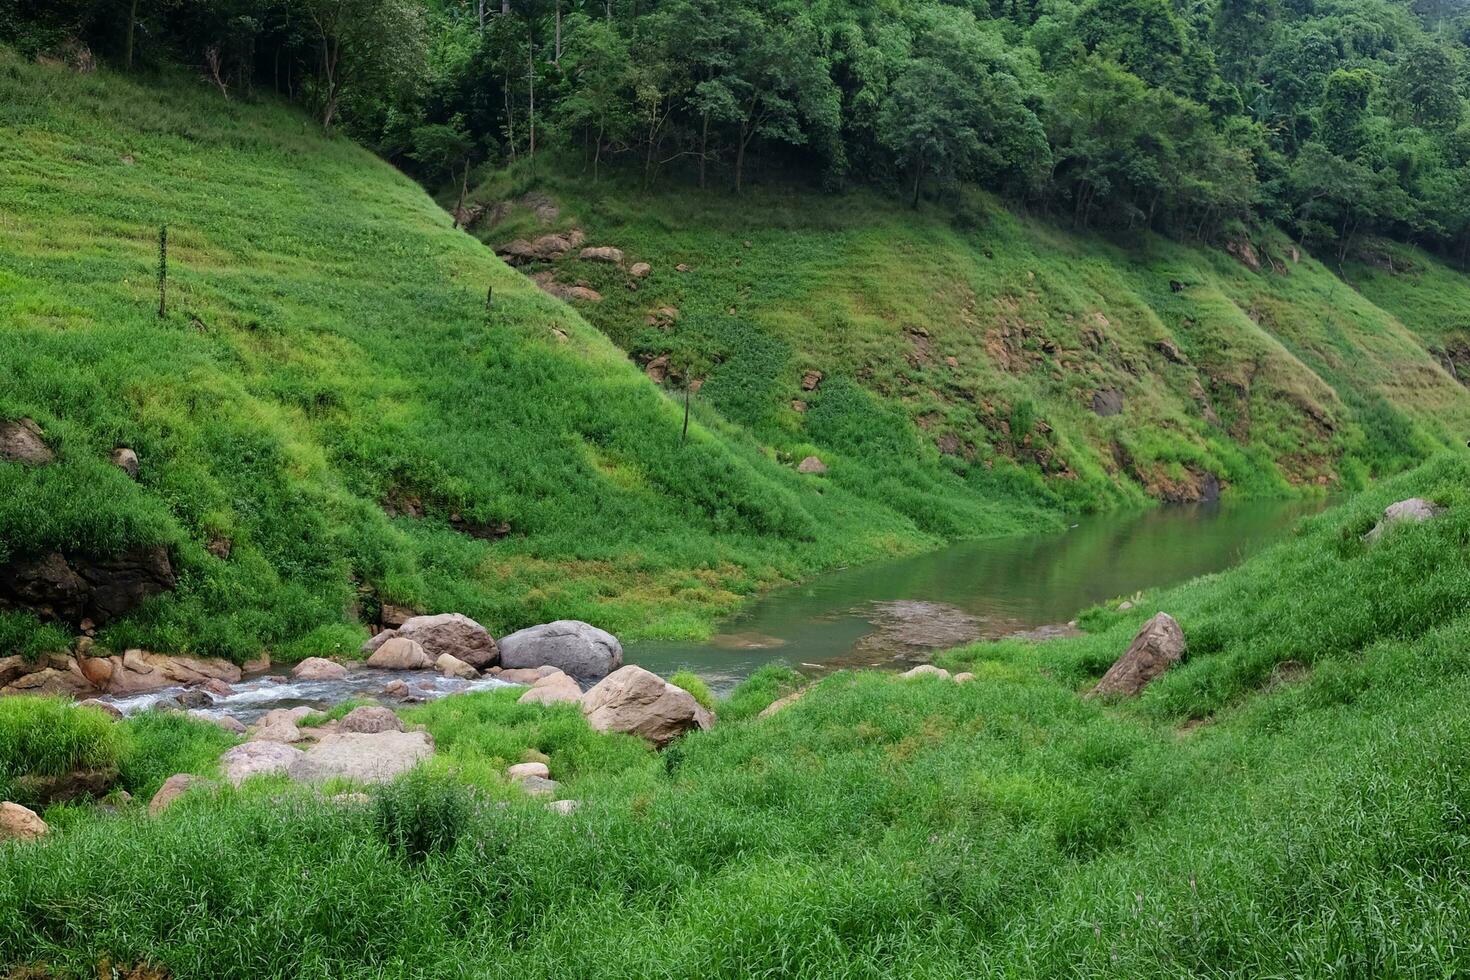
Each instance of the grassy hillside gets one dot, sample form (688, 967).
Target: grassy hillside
(329, 417)
(971, 341)
(1289, 801)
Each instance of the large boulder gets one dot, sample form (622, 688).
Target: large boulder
(289, 716)
(639, 702)
(1415, 510)
(375, 758)
(256, 759)
(1156, 648)
(369, 720)
(318, 669)
(74, 588)
(137, 671)
(459, 636)
(19, 823)
(400, 653)
(602, 253)
(53, 674)
(555, 688)
(278, 731)
(21, 441)
(583, 651)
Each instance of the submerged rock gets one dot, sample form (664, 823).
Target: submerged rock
(638, 702)
(910, 628)
(574, 647)
(1156, 648)
(452, 666)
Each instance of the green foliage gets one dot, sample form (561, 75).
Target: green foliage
(756, 692)
(162, 743)
(695, 685)
(421, 814)
(47, 736)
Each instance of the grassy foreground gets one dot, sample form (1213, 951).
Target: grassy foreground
(1290, 801)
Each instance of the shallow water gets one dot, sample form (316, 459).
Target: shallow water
(870, 615)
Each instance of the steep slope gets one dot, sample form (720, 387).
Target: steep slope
(1004, 350)
(329, 417)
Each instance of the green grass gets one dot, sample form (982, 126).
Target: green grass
(695, 685)
(1315, 825)
(44, 736)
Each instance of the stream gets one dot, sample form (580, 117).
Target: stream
(887, 614)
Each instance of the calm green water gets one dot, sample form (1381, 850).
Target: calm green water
(1006, 585)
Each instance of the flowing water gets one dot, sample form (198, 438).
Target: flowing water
(892, 613)
(899, 612)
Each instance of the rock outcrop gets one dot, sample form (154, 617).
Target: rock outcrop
(375, 758)
(638, 702)
(21, 441)
(134, 672)
(574, 647)
(451, 633)
(1415, 510)
(1156, 648)
(72, 588)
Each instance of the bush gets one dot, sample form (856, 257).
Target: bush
(421, 813)
(695, 685)
(45, 736)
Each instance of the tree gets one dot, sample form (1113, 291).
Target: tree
(363, 44)
(928, 125)
(599, 70)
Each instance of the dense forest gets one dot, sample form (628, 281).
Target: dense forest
(1334, 119)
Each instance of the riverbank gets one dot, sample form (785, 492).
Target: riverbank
(1284, 800)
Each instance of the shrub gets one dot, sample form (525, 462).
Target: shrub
(421, 813)
(45, 736)
(695, 685)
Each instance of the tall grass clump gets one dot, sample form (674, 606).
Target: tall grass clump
(421, 813)
(695, 685)
(163, 743)
(49, 736)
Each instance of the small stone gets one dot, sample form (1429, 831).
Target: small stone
(524, 770)
(682, 267)
(452, 666)
(565, 807)
(126, 460)
(20, 823)
(290, 716)
(1125, 605)
(111, 710)
(640, 270)
(395, 689)
(281, 731)
(539, 786)
(194, 698)
(926, 670)
(811, 466)
(964, 677)
(173, 787)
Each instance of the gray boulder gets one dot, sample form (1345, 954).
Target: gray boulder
(581, 650)
(1157, 647)
(1415, 510)
(366, 758)
(459, 636)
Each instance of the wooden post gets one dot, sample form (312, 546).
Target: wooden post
(162, 271)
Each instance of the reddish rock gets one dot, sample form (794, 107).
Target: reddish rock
(1156, 648)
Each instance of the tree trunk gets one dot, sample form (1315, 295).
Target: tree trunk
(510, 121)
(703, 149)
(531, 80)
(597, 154)
(683, 436)
(740, 159)
(557, 51)
(918, 175)
(464, 185)
(132, 25)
